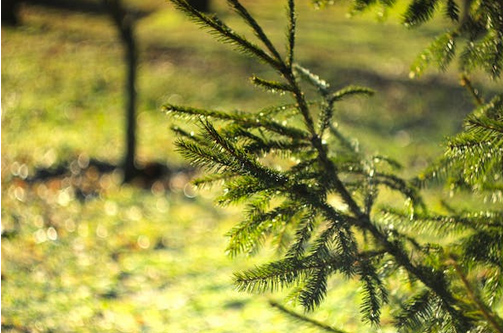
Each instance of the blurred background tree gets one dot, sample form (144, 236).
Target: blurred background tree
(124, 20)
(125, 26)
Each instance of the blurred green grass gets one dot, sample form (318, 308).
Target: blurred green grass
(152, 260)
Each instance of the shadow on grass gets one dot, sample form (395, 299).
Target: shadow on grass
(87, 177)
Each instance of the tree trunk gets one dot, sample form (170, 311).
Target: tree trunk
(10, 12)
(124, 24)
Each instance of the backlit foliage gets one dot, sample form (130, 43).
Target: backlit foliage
(312, 194)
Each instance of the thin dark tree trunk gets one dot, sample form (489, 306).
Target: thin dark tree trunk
(10, 12)
(124, 24)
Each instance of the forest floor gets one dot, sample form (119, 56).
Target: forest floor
(81, 252)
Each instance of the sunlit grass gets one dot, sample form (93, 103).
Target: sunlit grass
(131, 259)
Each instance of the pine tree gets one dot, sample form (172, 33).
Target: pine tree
(318, 201)
(476, 24)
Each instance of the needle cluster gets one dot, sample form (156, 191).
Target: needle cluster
(317, 202)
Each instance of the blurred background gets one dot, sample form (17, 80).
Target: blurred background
(84, 251)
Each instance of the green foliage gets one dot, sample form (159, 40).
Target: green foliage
(121, 261)
(313, 195)
(478, 150)
(478, 25)
(474, 157)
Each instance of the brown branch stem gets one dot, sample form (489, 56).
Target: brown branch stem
(486, 312)
(467, 83)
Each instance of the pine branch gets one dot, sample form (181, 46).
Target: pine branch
(441, 225)
(407, 189)
(181, 133)
(492, 318)
(206, 157)
(225, 33)
(303, 319)
(493, 287)
(302, 237)
(327, 111)
(291, 33)
(241, 188)
(474, 158)
(246, 163)
(342, 240)
(271, 86)
(479, 23)
(416, 312)
(313, 79)
(326, 116)
(261, 147)
(314, 289)
(304, 188)
(278, 275)
(466, 82)
(452, 10)
(436, 282)
(488, 253)
(248, 234)
(486, 53)
(345, 142)
(236, 5)
(395, 165)
(486, 127)
(208, 180)
(374, 293)
(350, 91)
(241, 118)
(419, 11)
(441, 52)
(287, 111)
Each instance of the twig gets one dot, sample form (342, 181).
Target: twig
(304, 319)
(491, 317)
(467, 83)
